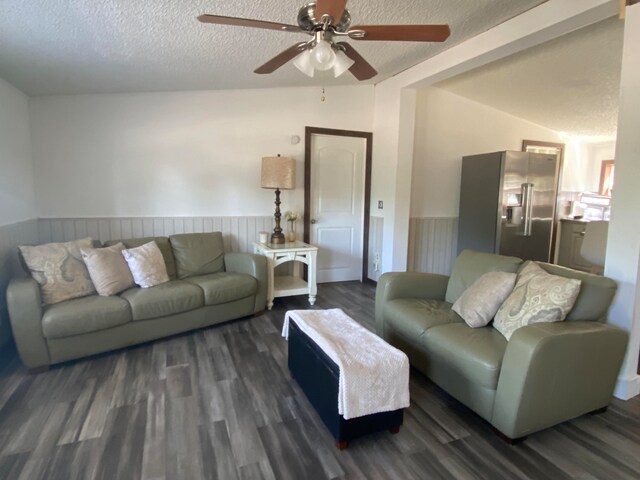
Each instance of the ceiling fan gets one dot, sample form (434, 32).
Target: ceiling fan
(325, 20)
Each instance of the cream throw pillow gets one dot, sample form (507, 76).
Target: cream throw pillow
(108, 269)
(59, 270)
(479, 303)
(538, 297)
(147, 265)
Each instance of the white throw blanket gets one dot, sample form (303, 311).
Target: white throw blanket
(374, 376)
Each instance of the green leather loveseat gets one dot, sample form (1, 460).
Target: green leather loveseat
(545, 374)
(84, 326)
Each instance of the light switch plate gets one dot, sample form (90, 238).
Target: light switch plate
(380, 204)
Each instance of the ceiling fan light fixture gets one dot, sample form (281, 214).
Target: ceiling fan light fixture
(303, 63)
(322, 55)
(342, 64)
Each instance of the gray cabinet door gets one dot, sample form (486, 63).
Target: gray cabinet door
(571, 238)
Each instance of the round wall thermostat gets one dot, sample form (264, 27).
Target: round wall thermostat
(295, 139)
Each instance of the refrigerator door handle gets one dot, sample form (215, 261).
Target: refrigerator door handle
(527, 208)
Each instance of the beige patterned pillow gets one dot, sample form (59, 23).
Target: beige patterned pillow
(108, 269)
(538, 297)
(479, 303)
(147, 265)
(59, 270)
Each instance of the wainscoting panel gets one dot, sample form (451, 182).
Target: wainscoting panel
(239, 233)
(376, 228)
(432, 244)
(23, 233)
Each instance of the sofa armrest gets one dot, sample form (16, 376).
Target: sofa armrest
(25, 314)
(552, 372)
(391, 285)
(254, 265)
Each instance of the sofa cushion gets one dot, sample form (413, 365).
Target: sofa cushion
(198, 253)
(411, 317)
(472, 265)
(223, 287)
(538, 297)
(84, 315)
(163, 245)
(480, 302)
(146, 265)
(595, 297)
(108, 269)
(59, 270)
(476, 353)
(162, 300)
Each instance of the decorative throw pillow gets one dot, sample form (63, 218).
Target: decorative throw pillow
(479, 303)
(59, 270)
(147, 265)
(538, 297)
(108, 269)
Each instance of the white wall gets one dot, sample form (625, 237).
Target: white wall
(623, 243)
(178, 154)
(597, 153)
(583, 160)
(17, 198)
(449, 127)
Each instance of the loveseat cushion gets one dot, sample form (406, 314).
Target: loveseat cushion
(475, 353)
(198, 253)
(84, 315)
(472, 265)
(163, 245)
(166, 299)
(411, 317)
(225, 287)
(595, 297)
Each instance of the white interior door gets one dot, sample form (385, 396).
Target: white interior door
(337, 205)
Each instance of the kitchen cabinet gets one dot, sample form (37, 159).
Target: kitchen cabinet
(571, 237)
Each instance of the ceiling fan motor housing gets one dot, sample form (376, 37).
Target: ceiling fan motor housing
(307, 19)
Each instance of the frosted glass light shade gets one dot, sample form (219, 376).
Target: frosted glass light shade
(303, 63)
(342, 64)
(278, 172)
(323, 56)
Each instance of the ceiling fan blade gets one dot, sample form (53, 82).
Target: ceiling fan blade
(247, 22)
(403, 33)
(334, 8)
(361, 69)
(280, 59)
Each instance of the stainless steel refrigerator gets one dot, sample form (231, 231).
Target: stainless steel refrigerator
(507, 204)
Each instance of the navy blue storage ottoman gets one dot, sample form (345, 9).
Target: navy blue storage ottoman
(318, 377)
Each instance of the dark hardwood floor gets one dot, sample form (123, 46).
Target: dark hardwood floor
(220, 403)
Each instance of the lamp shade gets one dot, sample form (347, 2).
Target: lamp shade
(342, 63)
(303, 63)
(278, 172)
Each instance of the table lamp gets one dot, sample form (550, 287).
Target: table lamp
(279, 173)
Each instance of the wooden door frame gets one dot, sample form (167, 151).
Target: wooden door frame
(368, 136)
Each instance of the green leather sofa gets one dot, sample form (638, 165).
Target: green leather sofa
(545, 374)
(84, 326)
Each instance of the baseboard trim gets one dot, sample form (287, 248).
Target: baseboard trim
(627, 388)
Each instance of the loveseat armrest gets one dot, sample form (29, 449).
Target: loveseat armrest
(392, 285)
(552, 372)
(25, 314)
(254, 265)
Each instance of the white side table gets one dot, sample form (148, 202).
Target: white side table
(287, 285)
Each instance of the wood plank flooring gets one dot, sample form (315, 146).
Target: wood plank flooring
(220, 403)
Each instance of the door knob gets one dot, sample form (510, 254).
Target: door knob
(313, 220)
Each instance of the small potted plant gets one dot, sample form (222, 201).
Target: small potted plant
(291, 217)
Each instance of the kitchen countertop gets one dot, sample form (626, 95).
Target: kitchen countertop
(575, 220)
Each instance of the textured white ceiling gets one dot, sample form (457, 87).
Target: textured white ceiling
(570, 84)
(52, 47)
